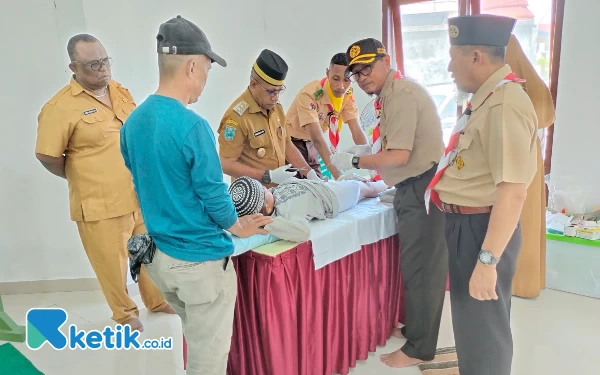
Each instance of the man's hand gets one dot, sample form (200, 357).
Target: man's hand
(360, 150)
(281, 174)
(342, 161)
(312, 175)
(54, 165)
(252, 224)
(482, 286)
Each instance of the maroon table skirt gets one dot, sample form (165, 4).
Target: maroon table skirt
(292, 320)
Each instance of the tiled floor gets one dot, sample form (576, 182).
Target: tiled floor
(556, 334)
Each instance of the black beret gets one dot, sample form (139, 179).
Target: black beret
(480, 30)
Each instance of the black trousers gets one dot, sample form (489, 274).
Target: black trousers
(424, 266)
(482, 332)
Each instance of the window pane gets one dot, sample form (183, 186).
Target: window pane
(532, 29)
(426, 58)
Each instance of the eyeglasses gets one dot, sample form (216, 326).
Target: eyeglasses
(96, 65)
(271, 92)
(353, 77)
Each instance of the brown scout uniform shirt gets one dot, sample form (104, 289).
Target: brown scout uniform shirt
(307, 109)
(498, 145)
(87, 132)
(246, 133)
(409, 121)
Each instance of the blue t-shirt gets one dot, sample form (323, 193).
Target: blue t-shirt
(170, 151)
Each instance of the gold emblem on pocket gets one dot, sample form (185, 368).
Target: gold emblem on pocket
(261, 152)
(460, 162)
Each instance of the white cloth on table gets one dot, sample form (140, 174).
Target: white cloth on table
(368, 222)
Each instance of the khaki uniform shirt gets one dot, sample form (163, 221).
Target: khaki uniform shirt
(248, 134)
(497, 145)
(409, 121)
(310, 106)
(87, 132)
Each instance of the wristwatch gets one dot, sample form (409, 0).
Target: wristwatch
(355, 160)
(488, 258)
(266, 179)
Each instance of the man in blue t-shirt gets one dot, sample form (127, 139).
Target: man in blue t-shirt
(171, 153)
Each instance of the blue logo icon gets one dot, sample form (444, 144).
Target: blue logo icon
(44, 326)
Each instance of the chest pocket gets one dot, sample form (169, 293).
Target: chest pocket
(89, 132)
(465, 140)
(259, 138)
(125, 111)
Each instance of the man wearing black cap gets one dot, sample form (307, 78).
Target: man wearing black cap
(490, 161)
(171, 153)
(253, 139)
(407, 149)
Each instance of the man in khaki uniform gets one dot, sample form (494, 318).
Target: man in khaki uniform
(411, 145)
(317, 113)
(253, 138)
(489, 162)
(78, 139)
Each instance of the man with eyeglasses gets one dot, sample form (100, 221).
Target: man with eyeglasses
(253, 139)
(317, 113)
(78, 140)
(407, 151)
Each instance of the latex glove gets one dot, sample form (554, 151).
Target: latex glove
(360, 150)
(281, 174)
(312, 175)
(342, 161)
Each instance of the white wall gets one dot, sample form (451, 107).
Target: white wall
(38, 241)
(577, 129)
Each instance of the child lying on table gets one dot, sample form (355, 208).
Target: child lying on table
(294, 202)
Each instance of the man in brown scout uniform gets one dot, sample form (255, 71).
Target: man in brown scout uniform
(489, 162)
(411, 145)
(78, 139)
(253, 139)
(317, 113)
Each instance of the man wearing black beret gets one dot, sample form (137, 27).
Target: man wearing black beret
(489, 162)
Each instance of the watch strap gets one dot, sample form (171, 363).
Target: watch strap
(266, 179)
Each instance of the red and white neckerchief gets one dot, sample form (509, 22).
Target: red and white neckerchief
(377, 139)
(451, 151)
(335, 124)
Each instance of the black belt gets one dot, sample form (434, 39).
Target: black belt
(413, 179)
(299, 139)
(226, 262)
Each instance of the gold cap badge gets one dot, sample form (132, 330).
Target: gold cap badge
(354, 51)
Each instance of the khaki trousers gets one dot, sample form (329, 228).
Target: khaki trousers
(105, 243)
(203, 294)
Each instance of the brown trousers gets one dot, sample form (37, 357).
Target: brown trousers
(105, 243)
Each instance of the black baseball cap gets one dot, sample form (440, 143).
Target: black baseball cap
(365, 51)
(179, 36)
